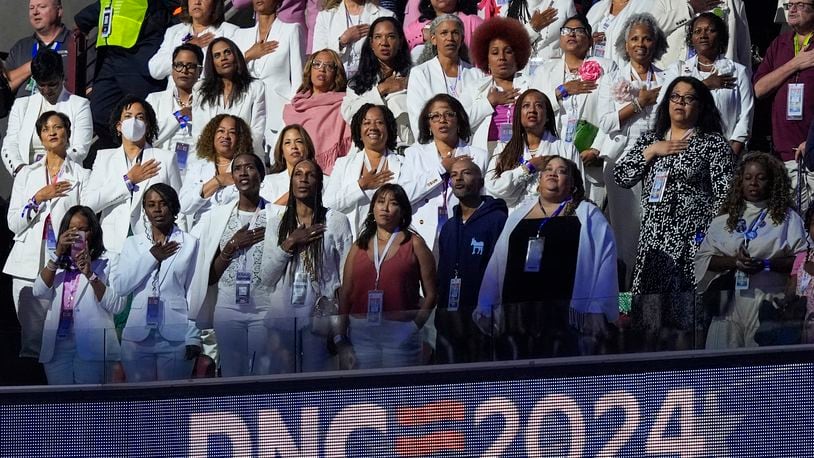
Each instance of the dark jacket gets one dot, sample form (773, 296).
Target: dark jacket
(466, 248)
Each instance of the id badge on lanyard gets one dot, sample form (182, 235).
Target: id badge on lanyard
(659, 185)
(300, 289)
(375, 303)
(504, 132)
(65, 324)
(153, 311)
(794, 105)
(181, 154)
(534, 254)
(570, 129)
(50, 236)
(741, 280)
(243, 287)
(454, 294)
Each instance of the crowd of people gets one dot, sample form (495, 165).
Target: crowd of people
(450, 182)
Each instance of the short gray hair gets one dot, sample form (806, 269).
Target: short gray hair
(649, 21)
(430, 51)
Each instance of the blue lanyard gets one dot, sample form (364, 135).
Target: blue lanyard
(751, 234)
(556, 212)
(36, 48)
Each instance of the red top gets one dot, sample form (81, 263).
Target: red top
(399, 280)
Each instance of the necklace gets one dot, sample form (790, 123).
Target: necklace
(701, 64)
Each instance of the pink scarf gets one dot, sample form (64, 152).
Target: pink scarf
(320, 115)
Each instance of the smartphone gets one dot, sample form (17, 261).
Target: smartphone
(78, 244)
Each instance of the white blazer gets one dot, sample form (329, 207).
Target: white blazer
(546, 43)
(94, 329)
(24, 259)
(107, 193)
(429, 194)
(395, 101)
(736, 104)
(428, 79)
(280, 71)
(133, 273)
(251, 108)
(480, 111)
(192, 204)
(278, 268)
(344, 194)
(165, 106)
(21, 128)
(331, 24)
(160, 65)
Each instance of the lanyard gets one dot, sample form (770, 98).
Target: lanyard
(800, 46)
(252, 222)
(451, 89)
(751, 234)
(349, 18)
(379, 260)
(369, 166)
(70, 285)
(36, 48)
(649, 76)
(547, 218)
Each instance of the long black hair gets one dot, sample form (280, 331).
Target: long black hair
(389, 122)
(369, 226)
(709, 118)
(288, 223)
(212, 84)
(369, 69)
(511, 154)
(427, 12)
(464, 129)
(96, 246)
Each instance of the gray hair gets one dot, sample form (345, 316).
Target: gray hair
(430, 51)
(649, 21)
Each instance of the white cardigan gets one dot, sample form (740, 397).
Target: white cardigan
(251, 108)
(133, 273)
(107, 193)
(276, 271)
(280, 71)
(160, 65)
(596, 287)
(25, 256)
(16, 149)
(94, 329)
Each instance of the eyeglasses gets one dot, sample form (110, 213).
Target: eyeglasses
(565, 31)
(448, 115)
(683, 99)
(797, 6)
(328, 66)
(182, 67)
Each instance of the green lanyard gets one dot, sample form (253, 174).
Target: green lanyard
(800, 46)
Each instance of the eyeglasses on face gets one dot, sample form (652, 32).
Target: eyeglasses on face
(683, 99)
(318, 64)
(436, 117)
(797, 6)
(182, 67)
(565, 31)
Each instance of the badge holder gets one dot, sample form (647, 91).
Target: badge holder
(243, 287)
(65, 324)
(300, 289)
(505, 132)
(153, 311)
(659, 185)
(454, 294)
(570, 130)
(375, 302)
(182, 154)
(741, 280)
(107, 20)
(794, 107)
(534, 254)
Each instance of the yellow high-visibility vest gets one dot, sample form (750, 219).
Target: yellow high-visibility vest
(120, 22)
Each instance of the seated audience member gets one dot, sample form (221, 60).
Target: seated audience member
(416, 32)
(305, 250)
(464, 248)
(685, 168)
(22, 145)
(42, 193)
(173, 106)
(750, 249)
(543, 20)
(228, 88)
(783, 76)
(209, 183)
(369, 165)
(442, 140)
(79, 342)
(384, 66)
(227, 293)
(121, 175)
(274, 53)
(500, 49)
(154, 272)
(342, 26)
(551, 282)
(201, 22)
(571, 85)
(443, 67)
(293, 145)
(729, 81)
(512, 175)
(380, 310)
(317, 107)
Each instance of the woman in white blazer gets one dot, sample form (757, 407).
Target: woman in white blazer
(368, 166)
(545, 31)
(228, 88)
(728, 80)
(342, 26)
(41, 195)
(443, 137)
(384, 66)
(209, 182)
(201, 22)
(571, 84)
(441, 68)
(306, 247)
(153, 271)
(500, 48)
(79, 343)
(227, 293)
(22, 145)
(293, 145)
(513, 175)
(121, 175)
(274, 52)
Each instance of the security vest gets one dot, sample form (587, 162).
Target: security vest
(120, 22)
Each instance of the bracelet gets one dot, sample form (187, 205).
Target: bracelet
(130, 186)
(217, 180)
(31, 206)
(225, 257)
(637, 107)
(767, 265)
(51, 265)
(562, 91)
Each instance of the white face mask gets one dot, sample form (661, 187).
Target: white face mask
(133, 129)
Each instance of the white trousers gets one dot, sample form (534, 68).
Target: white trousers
(31, 314)
(67, 368)
(243, 340)
(389, 344)
(155, 358)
